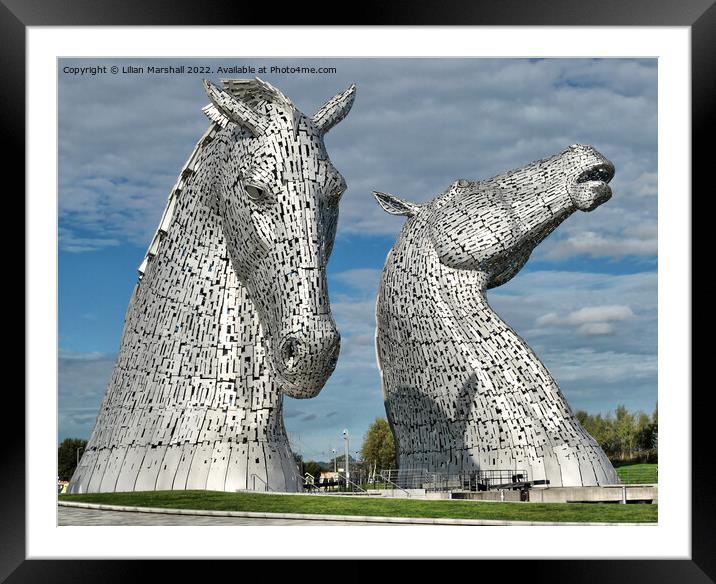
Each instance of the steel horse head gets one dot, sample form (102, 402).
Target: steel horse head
(278, 195)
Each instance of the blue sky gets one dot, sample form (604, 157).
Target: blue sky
(586, 301)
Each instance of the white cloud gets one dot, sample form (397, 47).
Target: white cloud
(590, 314)
(645, 185)
(82, 380)
(361, 280)
(609, 366)
(596, 328)
(123, 140)
(595, 245)
(547, 308)
(590, 320)
(68, 241)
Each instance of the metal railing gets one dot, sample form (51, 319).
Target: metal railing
(393, 486)
(308, 482)
(266, 485)
(477, 480)
(343, 484)
(353, 485)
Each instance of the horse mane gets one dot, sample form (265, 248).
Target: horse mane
(185, 175)
(252, 92)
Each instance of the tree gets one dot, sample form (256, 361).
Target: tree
(339, 461)
(623, 435)
(601, 429)
(313, 468)
(626, 431)
(647, 431)
(378, 448)
(645, 437)
(644, 432)
(67, 454)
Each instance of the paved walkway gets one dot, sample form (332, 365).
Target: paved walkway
(94, 514)
(79, 516)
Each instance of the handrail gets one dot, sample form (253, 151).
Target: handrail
(312, 486)
(352, 483)
(387, 480)
(266, 485)
(443, 481)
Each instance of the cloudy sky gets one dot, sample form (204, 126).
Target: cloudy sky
(586, 301)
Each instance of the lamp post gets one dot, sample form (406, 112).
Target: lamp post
(335, 462)
(77, 456)
(348, 472)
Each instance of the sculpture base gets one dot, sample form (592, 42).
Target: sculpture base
(222, 466)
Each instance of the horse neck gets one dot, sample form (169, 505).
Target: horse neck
(207, 328)
(448, 308)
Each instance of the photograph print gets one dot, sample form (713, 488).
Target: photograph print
(424, 280)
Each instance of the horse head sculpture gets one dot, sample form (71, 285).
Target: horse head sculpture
(492, 226)
(463, 391)
(278, 196)
(231, 311)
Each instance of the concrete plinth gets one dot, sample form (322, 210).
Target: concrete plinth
(605, 494)
(504, 496)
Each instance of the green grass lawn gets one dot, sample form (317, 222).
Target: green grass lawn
(638, 473)
(332, 505)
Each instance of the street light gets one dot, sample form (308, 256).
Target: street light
(348, 472)
(335, 468)
(77, 455)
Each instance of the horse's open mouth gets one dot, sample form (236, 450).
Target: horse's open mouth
(603, 172)
(591, 188)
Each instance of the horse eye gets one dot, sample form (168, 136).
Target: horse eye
(254, 193)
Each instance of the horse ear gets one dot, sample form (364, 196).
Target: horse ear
(334, 110)
(234, 110)
(395, 205)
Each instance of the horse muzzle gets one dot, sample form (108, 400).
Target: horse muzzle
(591, 188)
(305, 360)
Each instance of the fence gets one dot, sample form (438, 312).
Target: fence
(487, 479)
(479, 480)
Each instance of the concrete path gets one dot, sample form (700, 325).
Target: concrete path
(95, 514)
(80, 516)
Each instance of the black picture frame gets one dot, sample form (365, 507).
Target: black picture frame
(699, 15)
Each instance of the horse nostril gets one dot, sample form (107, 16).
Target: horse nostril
(290, 353)
(307, 356)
